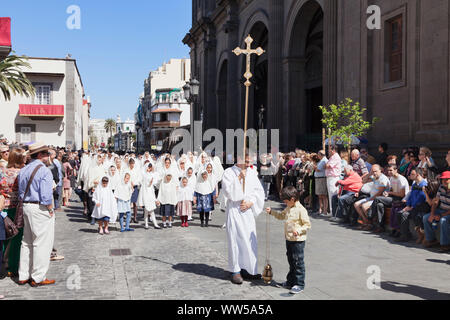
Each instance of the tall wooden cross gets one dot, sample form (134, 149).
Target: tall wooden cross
(248, 75)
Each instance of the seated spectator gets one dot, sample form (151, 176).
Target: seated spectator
(440, 215)
(427, 163)
(440, 171)
(342, 202)
(367, 157)
(416, 205)
(358, 164)
(376, 184)
(403, 161)
(399, 188)
(392, 160)
(382, 156)
(430, 191)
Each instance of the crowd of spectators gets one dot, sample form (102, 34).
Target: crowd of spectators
(383, 193)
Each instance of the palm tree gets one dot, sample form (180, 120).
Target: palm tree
(12, 79)
(110, 126)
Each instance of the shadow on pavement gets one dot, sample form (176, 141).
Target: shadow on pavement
(202, 270)
(418, 291)
(439, 261)
(89, 230)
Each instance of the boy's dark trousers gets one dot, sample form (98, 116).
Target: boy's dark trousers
(296, 255)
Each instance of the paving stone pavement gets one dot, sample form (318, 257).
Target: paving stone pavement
(190, 264)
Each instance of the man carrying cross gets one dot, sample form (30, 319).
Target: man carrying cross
(243, 206)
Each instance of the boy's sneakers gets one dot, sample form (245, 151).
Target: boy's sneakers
(284, 285)
(170, 225)
(296, 290)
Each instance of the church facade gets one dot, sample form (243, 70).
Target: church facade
(319, 52)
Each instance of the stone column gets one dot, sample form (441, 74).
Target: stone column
(330, 52)
(275, 81)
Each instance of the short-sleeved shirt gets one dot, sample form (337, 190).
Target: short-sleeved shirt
(336, 166)
(381, 182)
(398, 184)
(359, 166)
(321, 166)
(444, 198)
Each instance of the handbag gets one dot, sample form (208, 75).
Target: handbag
(18, 219)
(11, 228)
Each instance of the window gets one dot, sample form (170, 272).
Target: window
(25, 134)
(43, 94)
(394, 49)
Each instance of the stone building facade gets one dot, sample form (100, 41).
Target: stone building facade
(319, 52)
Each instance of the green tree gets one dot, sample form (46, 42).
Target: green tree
(110, 126)
(346, 121)
(13, 80)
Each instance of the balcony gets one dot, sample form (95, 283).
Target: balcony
(5, 37)
(41, 111)
(166, 124)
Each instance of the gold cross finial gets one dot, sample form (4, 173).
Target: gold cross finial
(249, 51)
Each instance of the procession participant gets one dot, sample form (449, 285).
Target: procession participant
(39, 218)
(242, 209)
(167, 198)
(201, 162)
(192, 181)
(114, 178)
(82, 180)
(105, 210)
(94, 176)
(185, 198)
(147, 198)
(135, 180)
(123, 194)
(204, 196)
(181, 167)
(213, 177)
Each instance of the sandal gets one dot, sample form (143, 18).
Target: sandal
(106, 231)
(100, 231)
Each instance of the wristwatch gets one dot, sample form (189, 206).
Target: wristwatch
(51, 211)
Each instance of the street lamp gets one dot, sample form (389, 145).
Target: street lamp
(191, 92)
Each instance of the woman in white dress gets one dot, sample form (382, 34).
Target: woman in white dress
(147, 198)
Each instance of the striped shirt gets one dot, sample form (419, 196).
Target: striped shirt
(444, 198)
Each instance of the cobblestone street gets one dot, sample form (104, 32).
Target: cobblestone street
(180, 264)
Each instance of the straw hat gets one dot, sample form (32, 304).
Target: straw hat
(4, 148)
(37, 147)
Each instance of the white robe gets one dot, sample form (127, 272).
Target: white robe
(114, 180)
(108, 204)
(241, 226)
(147, 198)
(168, 192)
(95, 174)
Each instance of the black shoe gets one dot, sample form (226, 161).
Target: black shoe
(248, 276)
(203, 225)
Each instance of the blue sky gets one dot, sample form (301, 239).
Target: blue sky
(118, 44)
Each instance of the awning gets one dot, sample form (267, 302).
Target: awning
(167, 110)
(41, 110)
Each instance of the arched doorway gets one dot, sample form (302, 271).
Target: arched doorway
(222, 97)
(305, 77)
(259, 69)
